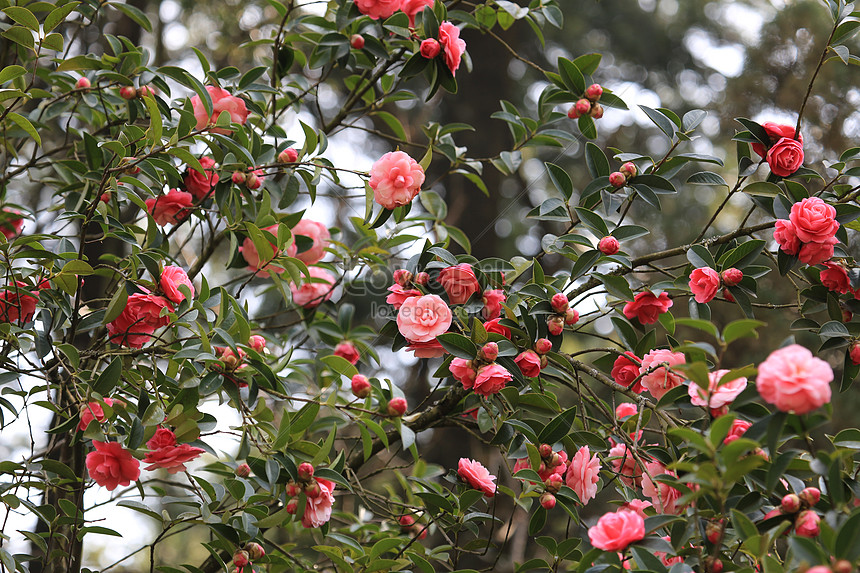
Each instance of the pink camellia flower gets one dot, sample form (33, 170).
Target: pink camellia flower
(360, 386)
(835, 278)
(806, 524)
(165, 454)
(785, 236)
(615, 531)
(646, 307)
(717, 395)
(222, 101)
(477, 476)
(625, 409)
(312, 294)
(493, 300)
(11, 224)
(462, 371)
(111, 465)
(583, 474)
(490, 379)
(138, 320)
(785, 157)
(395, 179)
(429, 349)
(496, 328)
(171, 278)
(290, 155)
(430, 48)
(459, 282)
(318, 508)
(794, 380)
(320, 236)
(347, 351)
(662, 379)
(399, 295)
(200, 184)
(412, 7)
(608, 245)
(375, 9)
(814, 220)
(92, 411)
(854, 353)
(449, 37)
(625, 370)
(775, 132)
(625, 465)
(664, 557)
(252, 257)
(637, 505)
(817, 253)
(663, 496)
(17, 305)
(737, 430)
(170, 208)
(529, 363)
(704, 282)
(423, 318)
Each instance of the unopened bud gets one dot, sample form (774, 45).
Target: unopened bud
(847, 315)
(807, 524)
(617, 179)
(306, 471)
(728, 295)
(608, 245)
(288, 155)
(583, 107)
(553, 483)
(402, 277)
(594, 92)
(293, 489)
(238, 177)
(105, 197)
(252, 181)
(629, 169)
(547, 500)
(489, 352)
(732, 276)
(713, 531)
(293, 506)
(790, 503)
(255, 551)
(429, 48)
(543, 345)
(83, 83)
(545, 451)
(555, 325)
(243, 470)
(854, 352)
(596, 111)
(810, 496)
(572, 113)
(143, 91)
(406, 521)
(127, 92)
(713, 564)
(360, 386)
(397, 407)
(241, 558)
(843, 566)
(257, 342)
(422, 278)
(313, 490)
(356, 41)
(559, 302)
(544, 361)
(571, 317)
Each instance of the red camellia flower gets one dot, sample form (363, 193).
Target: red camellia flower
(449, 37)
(11, 223)
(462, 371)
(490, 379)
(138, 320)
(92, 411)
(737, 430)
(704, 282)
(784, 235)
(459, 282)
(794, 380)
(529, 363)
(347, 351)
(111, 465)
(493, 300)
(814, 220)
(477, 476)
(615, 531)
(625, 409)
(17, 305)
(375, 9)
(646, 307)
(495, 327)
(785, 157)
(817, 253)
(775, 132)
(200, 184)
(170, 208)
(835, 278)
(166, 454)
(625, 370)
(171, 278)
(412, 7)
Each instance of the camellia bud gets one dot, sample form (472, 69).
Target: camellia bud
(105, 197)
(306, 471)
(583, 107)
(242, 470)
(313, 490)
(571, 317)
(608, 245)
(817, 569)
(356, 41)
(843, 566)
(790, 503)
(572, 113)
(127, 92)
(396, 407)
(288, 155)
(360, 386)
(629, 169)
(127, 168)
(430, 48)
(238, 177)
(854, 353)
(617, 179)
(559, 302)
(241, 558)
(489, 351)
(553, 483)
(543, 345)
(555, 461)
(143, 91)
(596, 111)
(712, 532)
(807, 524)
(402, 277)
(293, 506)
(547, 500)
(422, 278)
(255, 551)
(847, 315)
(252, 181)
(407, 521)
(810, 496)
(293, 489)
(545, 451)
(83, 83)
(713, 564)
(732, 276)
(594, 92)
(544, 361)
(728, 296)
(555, 325)
(257, 342)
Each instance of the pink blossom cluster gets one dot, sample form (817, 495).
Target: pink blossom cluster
(784, 155)
(809, 232)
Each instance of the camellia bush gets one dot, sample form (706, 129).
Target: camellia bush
(159, 264)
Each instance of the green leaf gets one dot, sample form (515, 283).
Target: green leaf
(596, 161)
(571, 76)
(848, 538)
(340, 365)
(136, 15)
(22, 16)
(11, 72)
(706, 178)
(458, 345)
(743, 328)
(25, 124)
(558, 427)
(116, 305)
(57, 15)
(700, 257)
(559, 178)
(109, 377)
(665, 124)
